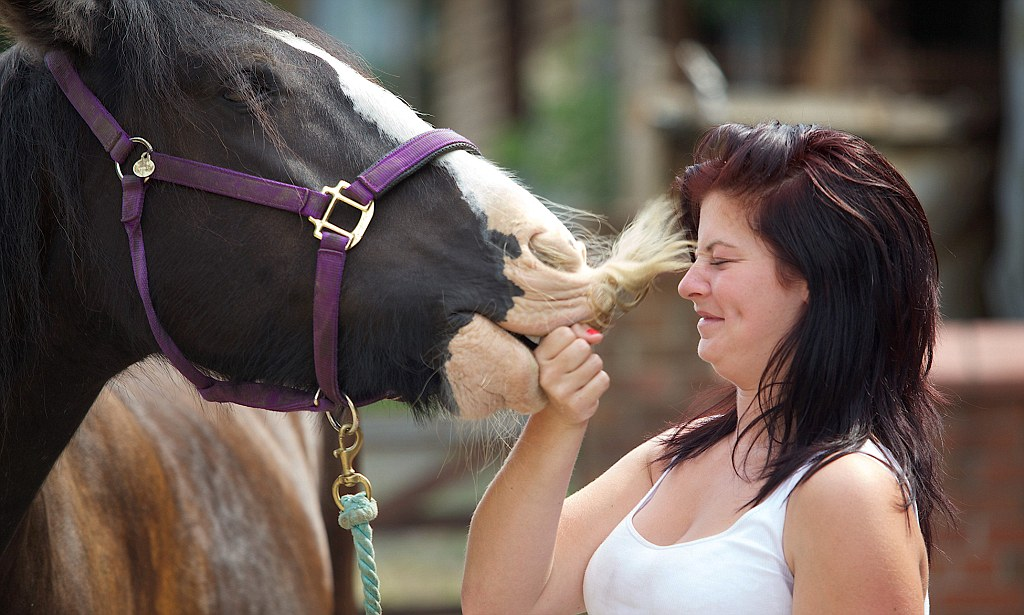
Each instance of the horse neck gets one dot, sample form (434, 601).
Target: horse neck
(51, 389)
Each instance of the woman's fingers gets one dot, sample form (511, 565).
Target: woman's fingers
(564, 354)
(556, 341)
(589, 396)
(571, 374)
(593, 336)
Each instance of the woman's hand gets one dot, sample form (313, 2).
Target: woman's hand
(571, 374)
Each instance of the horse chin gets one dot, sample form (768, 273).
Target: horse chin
(490, 369)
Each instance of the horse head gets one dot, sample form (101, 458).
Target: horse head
(459, 264)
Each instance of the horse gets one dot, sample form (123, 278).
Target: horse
(460, 267)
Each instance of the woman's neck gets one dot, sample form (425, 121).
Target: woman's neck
(749, 443)
(748, 408)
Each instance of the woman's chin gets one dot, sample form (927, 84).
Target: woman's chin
(706, 352)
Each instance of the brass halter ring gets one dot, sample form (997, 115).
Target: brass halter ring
(333, 421)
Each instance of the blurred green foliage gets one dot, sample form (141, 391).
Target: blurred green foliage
(563, 146)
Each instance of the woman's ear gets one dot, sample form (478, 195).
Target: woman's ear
(51, 24)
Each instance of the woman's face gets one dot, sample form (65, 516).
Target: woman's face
(744, 308)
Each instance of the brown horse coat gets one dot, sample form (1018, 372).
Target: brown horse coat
(175, 505)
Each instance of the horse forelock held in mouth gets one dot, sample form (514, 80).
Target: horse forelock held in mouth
(490, 368)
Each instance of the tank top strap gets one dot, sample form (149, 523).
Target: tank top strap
(654, 489)
(786, 487)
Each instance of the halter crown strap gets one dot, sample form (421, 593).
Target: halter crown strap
(405, 160)
(380, 177)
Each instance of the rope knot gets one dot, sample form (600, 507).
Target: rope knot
(357, 509)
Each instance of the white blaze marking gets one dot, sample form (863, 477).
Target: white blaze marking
(377, 105)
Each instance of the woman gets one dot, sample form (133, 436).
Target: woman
(809, 485)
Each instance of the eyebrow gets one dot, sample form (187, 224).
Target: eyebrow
(717, 243)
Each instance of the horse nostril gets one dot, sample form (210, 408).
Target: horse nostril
(558, 251)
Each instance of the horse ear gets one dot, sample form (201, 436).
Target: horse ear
(51, 24)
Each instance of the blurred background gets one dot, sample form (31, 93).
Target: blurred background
(596, 104)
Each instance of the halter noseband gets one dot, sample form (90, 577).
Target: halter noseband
(395, 166)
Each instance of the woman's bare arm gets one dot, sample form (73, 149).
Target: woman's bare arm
(527, 553)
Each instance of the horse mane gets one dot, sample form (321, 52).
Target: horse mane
(141, 46)
(32, 144)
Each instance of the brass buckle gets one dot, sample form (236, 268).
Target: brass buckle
(365, 215)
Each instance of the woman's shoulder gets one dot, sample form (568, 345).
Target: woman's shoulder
(849, 520)
(853, 503)
(851, 482)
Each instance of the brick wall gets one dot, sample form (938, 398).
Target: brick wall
(980, 566)
(976, 570)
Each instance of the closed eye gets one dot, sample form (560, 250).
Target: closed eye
(251, 87)
(711, 260)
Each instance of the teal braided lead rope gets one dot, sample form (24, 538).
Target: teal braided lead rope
(357, 512)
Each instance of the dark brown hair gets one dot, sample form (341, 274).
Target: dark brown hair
(835, 213)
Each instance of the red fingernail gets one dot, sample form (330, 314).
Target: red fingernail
(592, 331)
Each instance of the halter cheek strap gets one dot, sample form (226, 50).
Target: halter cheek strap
(317, 206)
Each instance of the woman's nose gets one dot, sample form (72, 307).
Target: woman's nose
(693, 284)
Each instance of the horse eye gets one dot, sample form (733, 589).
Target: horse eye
(234, 95)
(255, 84)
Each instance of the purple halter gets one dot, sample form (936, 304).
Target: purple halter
(395, 166)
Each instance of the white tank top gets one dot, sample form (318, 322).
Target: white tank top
(739, 571)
